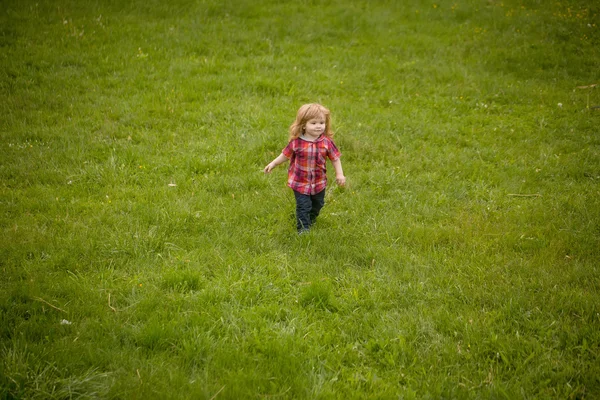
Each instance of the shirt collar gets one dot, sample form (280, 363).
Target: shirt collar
(321, 137)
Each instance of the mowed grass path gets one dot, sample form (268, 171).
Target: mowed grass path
(144, 254)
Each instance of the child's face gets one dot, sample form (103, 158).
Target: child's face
(314, 127)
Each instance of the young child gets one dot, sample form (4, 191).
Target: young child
(310, 144)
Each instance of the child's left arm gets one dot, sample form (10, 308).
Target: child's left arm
(340, 179)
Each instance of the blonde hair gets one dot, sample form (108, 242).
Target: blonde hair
(306, 113)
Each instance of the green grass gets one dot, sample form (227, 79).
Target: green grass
(144, 254)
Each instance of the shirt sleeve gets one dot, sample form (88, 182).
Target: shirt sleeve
(289, 149)
(333, 152)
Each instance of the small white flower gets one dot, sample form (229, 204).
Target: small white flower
(65, 322)
(560, 104)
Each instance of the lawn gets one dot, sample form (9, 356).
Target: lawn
(145, 254)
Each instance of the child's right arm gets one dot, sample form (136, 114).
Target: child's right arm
(280, 159)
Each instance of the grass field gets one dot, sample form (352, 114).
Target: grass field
(144, 253)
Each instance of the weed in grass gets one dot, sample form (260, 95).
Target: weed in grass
(318, 295)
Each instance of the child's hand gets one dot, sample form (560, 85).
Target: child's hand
(281, 158)
(340, 180)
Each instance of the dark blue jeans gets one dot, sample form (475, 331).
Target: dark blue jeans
(308, 208)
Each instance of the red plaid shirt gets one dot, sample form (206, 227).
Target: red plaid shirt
(307, 173)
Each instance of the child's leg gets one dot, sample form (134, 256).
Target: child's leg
(318, 201)
(303, 208)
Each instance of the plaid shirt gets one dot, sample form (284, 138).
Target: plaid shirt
(307, 173)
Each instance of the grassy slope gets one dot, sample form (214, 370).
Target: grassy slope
(426, 276)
